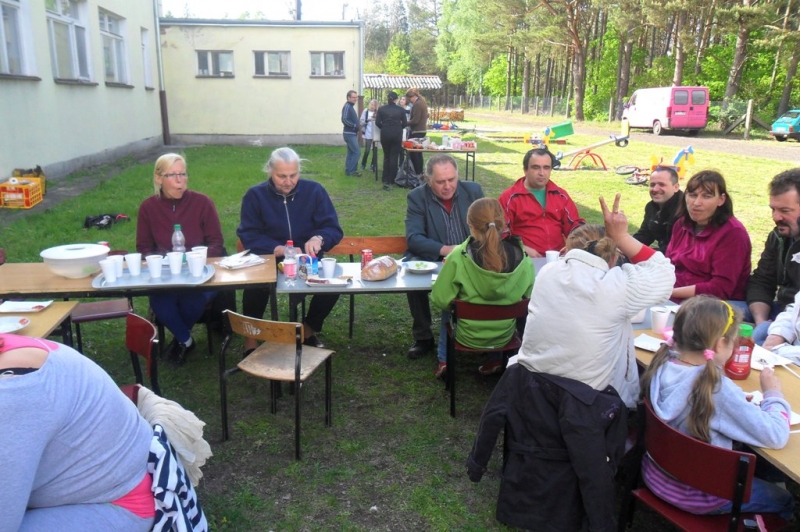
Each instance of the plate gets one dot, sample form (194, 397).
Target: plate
(10, 324)
(24, 306)
(420, 266)
(317, 281)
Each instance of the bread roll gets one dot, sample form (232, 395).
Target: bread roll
(379, 269)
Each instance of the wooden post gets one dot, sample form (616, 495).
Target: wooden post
(535, 106)
(747, 119)
(610, 109)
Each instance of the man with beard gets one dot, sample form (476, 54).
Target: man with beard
(659, 214)
(776, 279)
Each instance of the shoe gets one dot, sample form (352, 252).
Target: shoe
(372, 168)
(172, 348)
(363, 168)
(355, 174)
(313, 341)
(178, 357)
(420, 347)
(492, 367)
(247, 352)
(440, 370)
(387, 188)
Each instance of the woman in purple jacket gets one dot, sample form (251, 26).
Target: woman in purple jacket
(709, 247)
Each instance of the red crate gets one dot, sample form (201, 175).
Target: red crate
(24, 194)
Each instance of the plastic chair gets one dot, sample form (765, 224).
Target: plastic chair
(141, 340)
(106, 309)
(461, 310)
(721, 472)
(282, 357)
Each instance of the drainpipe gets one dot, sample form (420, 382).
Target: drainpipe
(162, 90)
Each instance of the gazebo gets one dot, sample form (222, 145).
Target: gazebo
(378, 83)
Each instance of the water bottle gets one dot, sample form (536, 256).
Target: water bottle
(290, 263)
(178, 240)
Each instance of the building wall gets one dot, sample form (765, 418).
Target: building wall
(64, 127)
(247, 108)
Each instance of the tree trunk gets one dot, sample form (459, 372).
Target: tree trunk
(509, 57)
(526, 85)
(677, 76)
(739, 56)
(778, 51)
(623, 83)
(579, 81)
(708, 22)
(791, 70)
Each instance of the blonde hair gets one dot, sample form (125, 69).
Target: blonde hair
(592, 239)
(700, 322)
(161, 166)
(486, 223)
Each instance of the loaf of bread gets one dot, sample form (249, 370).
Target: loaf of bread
(379, 269)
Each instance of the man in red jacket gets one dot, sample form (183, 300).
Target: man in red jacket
(537, 210)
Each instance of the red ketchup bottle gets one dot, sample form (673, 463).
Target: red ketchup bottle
(738, 366)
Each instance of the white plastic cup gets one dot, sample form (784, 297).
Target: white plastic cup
(118, 261)
(328, 268)
(659, 317)
(134, 262)
(175, 259)
(201, 249)
(109, 268)
(197, 263)
(154, 264)
(551, 256)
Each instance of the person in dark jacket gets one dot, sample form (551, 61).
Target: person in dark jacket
(350, 127)
(564, 442)
(659, 213)
(282, 208)
(391, 119)
(418, 124)
(776, 279)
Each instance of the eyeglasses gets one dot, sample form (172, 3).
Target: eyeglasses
(183, 175)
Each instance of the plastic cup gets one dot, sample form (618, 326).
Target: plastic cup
(328, 268)
(552, 256)
(154, 264)
(659, 318)
(201, 249)
(197, 263)
(175, 260)
(134, 262)
(118, 261)
(109, 268)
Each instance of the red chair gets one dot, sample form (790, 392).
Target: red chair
(721, 472)
(141, 339)
(461, 310)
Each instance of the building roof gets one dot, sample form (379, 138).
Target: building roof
(390, 81)
(242, 23)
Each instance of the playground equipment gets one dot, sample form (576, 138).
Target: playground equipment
(580, 154)
(550, 133)
(640, 175)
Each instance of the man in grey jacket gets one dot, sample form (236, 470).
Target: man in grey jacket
(350, 127)
(436, 221)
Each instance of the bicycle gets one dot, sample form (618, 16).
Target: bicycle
(638, 175)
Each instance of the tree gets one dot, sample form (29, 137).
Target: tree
(397, 60)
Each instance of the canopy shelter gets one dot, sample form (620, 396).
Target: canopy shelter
(379, 84)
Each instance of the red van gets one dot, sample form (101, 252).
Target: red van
(660, 108)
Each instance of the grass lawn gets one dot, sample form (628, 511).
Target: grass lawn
(394, 459)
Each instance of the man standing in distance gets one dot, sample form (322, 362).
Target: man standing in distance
(390, 119)
(350, 127)
(436, 221)
(776, 279)
(537, 210)
(418, 124)
(659, 213)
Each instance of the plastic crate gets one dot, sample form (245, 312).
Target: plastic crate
(562, 130)
(24, 194)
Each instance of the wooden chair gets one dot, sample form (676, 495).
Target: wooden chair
(721, 472)
(106, 309)
(461, 310)
(141, 341)
(380, 245)
(282, 357)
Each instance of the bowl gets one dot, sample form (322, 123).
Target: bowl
(74, 261)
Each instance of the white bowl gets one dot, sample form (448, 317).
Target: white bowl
(74, 261)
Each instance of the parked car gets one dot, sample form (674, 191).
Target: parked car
(662, 108)
(787, 126)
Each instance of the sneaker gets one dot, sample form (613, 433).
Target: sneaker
(170, 350)
(313, 341)
(363, 167)
(355, 174)
(372, 168)
(178, 357)
(420, 347)
(492, 367)
(387, 188)
(440, 370)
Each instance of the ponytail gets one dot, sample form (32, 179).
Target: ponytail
(486, 222)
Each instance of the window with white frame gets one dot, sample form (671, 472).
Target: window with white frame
(115, 64)
(327, 63)
(11, 56)
(148, 74)
(272, 64)
(214, 63)
(69, 44)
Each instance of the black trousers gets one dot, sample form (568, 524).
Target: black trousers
(392, 146)
(254, 303)
(416, 158)
(367, 150)
(420, 309)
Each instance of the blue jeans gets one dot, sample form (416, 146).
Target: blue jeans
(179, 311)
(353, 152)
(765, 497)
(442, 347)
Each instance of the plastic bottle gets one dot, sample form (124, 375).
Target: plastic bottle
(738, 366)
(178, 240)
(290, 263)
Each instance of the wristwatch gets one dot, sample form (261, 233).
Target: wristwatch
(321, 240)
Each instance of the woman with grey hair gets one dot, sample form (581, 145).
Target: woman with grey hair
(283, 208)
(367, 123)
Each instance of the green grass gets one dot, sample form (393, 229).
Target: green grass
(394, 459)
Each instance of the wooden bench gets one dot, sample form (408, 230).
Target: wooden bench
(380, 245)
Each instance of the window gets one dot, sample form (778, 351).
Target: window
(272, 64)
(114, 57)
(148, 74)
(327, 63)
(698, 97)
(681, 97)
(69, 46)
(215, 64)
(11, 60)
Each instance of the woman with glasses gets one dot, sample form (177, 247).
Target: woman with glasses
(173, 203)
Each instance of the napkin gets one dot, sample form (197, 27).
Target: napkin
(772, 359)
(647, 342)
(234, 262)
(794, 419)
(24, 306)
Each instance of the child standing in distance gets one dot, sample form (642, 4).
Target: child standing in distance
(689, 391)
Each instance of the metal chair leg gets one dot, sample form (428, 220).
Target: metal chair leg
(297, 422)
(451, 374)
(352, 313)
(78, 335)
(328, 395)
